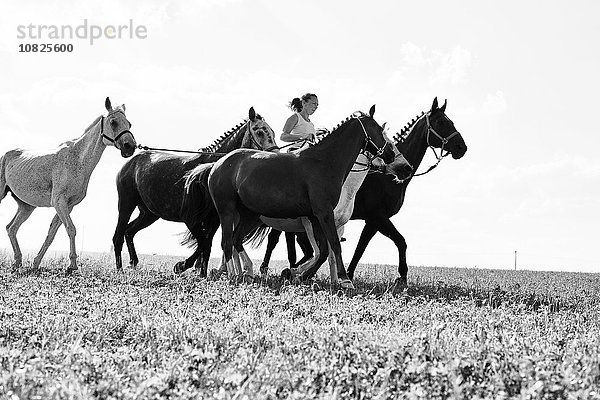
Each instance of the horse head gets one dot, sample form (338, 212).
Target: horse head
(115, 129)
(441, 132)
(376, 142)
(260, 133)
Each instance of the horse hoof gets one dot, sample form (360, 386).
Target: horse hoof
(400, 285)
(249, 279)
(346, 284)
(286, 274)
(297, 281)
(214, 275)
(178, 267)
(71, 271)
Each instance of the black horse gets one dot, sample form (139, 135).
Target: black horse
(154, 181)
(380, 197)
(247, 184)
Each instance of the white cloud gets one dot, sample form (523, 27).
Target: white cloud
(452, 67)
(495, 103)
(412, 55)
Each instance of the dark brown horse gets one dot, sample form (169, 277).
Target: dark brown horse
(380, 197)
(246, 184)
(154, 183)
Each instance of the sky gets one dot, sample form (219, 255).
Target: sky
(521, 80)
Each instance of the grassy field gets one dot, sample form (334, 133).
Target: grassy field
(455, 333)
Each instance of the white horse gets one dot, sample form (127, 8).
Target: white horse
(59, 178)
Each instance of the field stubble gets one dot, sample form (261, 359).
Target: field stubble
(455, 333)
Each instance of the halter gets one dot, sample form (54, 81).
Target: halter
(443, 140)
(258, 145)
(112, 140)
(368, 140)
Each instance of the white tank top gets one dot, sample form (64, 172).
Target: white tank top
(303, 127)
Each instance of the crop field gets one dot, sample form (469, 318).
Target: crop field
(455, 333)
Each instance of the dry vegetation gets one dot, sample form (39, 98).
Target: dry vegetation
(456, 333)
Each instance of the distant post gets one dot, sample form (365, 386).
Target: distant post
(515, 260)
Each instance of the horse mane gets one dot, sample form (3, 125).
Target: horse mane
(227, 135)
(338, 126)
(403, 134)
(71, 141)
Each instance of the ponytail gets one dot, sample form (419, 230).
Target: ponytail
(296, 104)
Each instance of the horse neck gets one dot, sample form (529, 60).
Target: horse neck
(339, 150)
(414, 146)
(89, 147)
(233, 141)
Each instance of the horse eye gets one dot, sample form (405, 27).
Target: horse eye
(113, 122)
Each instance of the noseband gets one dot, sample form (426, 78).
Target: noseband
(370, 157)
(258, 145)
(113, 140)
(443, 140)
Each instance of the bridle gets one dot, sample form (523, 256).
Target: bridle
(113, 140)
(443, 140)
(369, 155)
(258, 145)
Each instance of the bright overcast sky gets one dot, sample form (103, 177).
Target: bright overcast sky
(521, 79)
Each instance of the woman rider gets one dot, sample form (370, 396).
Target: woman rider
(298, 127)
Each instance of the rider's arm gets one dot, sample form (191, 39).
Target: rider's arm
(286, 135)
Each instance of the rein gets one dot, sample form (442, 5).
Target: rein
(443, 140)
(370, 157)
(259, 147)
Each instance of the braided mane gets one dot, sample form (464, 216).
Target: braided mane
(319, 138)
(401, 137)
(225, 136)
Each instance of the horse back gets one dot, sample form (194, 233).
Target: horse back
(157, 180)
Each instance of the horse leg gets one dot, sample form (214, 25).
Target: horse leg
(63, 210)
(331, 259)
(126, 207)
(248, 221)
(54, 225)
(206, 249)
(23, 213)
(365, 237)
(227, 224)
(182, 266)
(305, 245)
(387, 228)
(321, 249)
(144, 220)
(327, 221)
(272, 241)
(291, 247)
(308, 228)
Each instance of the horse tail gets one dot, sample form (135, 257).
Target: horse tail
(188, 240)
(197, 207)
(3, 188)
(257, 236)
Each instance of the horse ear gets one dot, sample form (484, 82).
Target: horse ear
(372, 111)
(252, 114)
(443, 108)
(434, 106)
(123, 107)
(108, 105)
(383, 126)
